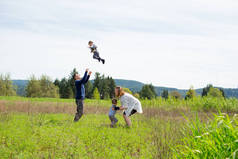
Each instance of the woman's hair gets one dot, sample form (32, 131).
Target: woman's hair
(120, 91)
(90, 42)
(114, 101)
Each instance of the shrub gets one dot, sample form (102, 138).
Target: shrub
(96, 94)
(215, 92)
(191, 93)
(6, 86)
(175, 94)
(43, 87)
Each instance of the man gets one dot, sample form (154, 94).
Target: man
(80, 93)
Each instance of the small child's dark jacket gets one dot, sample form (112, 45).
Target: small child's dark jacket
(113, 110)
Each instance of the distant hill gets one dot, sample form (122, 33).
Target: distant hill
(134, 86)
(21, 84)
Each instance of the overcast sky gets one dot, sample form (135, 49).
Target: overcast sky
(167, 43)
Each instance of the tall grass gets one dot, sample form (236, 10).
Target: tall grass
(217, 138)
(197, 103)
(89, 102)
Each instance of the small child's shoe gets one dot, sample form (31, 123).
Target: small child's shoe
(112, 125)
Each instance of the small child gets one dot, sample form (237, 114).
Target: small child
(112, 112)
(93, 49)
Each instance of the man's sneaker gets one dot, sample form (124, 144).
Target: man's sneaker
(76, 118)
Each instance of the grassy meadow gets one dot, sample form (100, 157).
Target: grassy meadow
(44, 128)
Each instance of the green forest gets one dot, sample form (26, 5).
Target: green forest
(104, 85)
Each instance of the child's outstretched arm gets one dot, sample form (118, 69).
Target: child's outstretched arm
(122, 107)
(117, 108)
(91, 49)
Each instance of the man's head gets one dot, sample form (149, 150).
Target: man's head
(76, 76)
(90, 43)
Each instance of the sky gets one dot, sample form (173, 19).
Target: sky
(167, 43)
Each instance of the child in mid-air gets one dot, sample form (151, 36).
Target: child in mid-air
(93, 49)
(112, 112)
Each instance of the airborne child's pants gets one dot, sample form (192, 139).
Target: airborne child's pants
(96, 56)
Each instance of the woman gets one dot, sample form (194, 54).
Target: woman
(129, 103)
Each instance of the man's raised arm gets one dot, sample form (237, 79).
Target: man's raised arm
(85, 76)
(89, 74)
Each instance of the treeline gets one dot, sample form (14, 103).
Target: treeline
(209, 91)
(101, 87)
(148, 92)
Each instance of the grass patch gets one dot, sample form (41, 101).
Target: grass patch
(216, 138)
(44, 128)
(56, 136)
